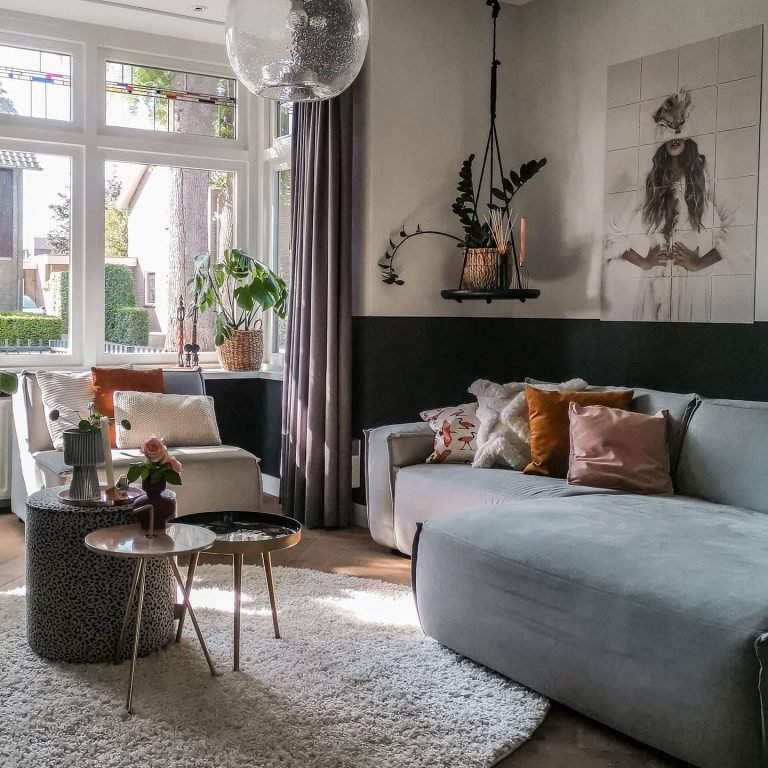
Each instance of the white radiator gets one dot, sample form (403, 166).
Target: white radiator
(6, 423)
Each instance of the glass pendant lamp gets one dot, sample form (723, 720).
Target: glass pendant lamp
(297, 50)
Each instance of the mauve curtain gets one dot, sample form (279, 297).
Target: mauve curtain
(316, 445)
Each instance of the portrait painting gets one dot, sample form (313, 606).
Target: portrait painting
(681, 181)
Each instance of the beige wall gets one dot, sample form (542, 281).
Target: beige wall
(426, 106)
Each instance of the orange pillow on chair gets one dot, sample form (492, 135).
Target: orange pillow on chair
(107, 381)
(548, 415)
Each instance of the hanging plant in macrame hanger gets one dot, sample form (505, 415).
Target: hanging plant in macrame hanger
(492, 267)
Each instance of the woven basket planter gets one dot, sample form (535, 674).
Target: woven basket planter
(481, 270)
(243, 352)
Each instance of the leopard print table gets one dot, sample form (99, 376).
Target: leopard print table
(75, 597)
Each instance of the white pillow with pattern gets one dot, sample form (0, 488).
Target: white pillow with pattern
(455, 429)
(504, 435)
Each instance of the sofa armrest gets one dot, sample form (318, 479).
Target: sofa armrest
(387, 449)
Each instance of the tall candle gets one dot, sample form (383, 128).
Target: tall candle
(106, 445)
(522, 239)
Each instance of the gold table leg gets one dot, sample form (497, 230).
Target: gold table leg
(237, 583)
(121, 639)
(192, 617)
(266, 559)
(193, 558)
(142, 579)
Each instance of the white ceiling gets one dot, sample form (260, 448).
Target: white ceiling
(166, 17)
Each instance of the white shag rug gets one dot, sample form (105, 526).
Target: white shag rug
(353, 683)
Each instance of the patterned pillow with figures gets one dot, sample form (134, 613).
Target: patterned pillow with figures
(455, 431)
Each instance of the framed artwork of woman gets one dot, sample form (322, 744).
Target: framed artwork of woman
(680, 223)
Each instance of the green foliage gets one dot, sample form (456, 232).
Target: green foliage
(154, 471)
(237, 288)
(115, 221)
(118, 295)
(115, 232)
(8, 383)
(477, 234)
(130, 325)
(56, 291)
(155, 78)
(59, 234)
(24, 326)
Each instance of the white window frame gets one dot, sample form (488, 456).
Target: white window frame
(276, 157)
(147, 302)
(91, 144)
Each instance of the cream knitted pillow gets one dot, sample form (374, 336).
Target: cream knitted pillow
(179, 420)
(504, 437)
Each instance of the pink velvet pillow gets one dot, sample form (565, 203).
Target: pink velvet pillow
(612, 448)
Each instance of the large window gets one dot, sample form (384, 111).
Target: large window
(168, 100)
(132, 170)
(278, 193)
(35, 248)
(35, 83)
(159, 219)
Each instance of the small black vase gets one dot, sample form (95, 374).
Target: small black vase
(164, 503)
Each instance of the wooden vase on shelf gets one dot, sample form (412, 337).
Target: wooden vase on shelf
(481, 269)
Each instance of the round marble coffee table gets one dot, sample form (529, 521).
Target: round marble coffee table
(72, 592)
(240, 534)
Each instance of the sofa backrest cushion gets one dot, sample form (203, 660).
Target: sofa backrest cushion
(679, 409)
(176, 383)
(723, 454)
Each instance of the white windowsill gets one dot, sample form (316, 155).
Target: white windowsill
(220, 373)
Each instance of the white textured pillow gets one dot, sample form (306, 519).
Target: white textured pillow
(69, 393)
(179, 420)
(504, 437)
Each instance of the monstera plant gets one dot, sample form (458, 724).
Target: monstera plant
(239, 289)
(8, 383)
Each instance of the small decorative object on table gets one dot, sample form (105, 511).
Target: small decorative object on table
(157, 506)
(86, 446)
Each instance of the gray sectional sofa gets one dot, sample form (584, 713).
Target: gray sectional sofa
(649, 614)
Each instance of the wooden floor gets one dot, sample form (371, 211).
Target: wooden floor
(565, 740)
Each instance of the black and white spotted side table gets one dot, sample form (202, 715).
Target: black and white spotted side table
(74, 596)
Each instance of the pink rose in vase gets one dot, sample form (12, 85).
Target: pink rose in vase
(154, 449)
(175, 463)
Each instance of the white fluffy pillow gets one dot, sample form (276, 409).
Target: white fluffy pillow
(504, 437)
(180, 420)
(68, 393)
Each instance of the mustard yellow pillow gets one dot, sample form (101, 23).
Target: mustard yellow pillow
(548, 414)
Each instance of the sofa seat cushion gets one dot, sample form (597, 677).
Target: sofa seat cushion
(642, 613)
(215, 478)
(425, 491)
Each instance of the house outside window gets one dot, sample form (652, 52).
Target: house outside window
(149, 289)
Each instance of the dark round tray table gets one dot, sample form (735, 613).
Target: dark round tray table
(240, 534)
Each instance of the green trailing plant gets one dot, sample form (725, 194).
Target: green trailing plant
(238, 289)
(477, 233)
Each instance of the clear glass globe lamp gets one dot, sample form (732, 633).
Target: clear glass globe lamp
(297, 50)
